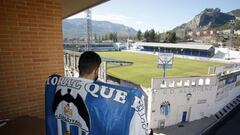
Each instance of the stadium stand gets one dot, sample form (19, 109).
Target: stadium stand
(190, 49)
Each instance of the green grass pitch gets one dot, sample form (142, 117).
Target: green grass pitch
(145, 67)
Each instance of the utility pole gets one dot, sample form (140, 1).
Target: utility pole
(232, 22)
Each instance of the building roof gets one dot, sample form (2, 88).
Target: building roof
(185, 45)
(71, 7)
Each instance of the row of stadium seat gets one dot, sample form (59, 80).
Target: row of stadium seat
(226, 109)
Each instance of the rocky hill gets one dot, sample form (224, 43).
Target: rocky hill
(235, 12)
(209, 18)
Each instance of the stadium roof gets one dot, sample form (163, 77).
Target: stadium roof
(185, 45)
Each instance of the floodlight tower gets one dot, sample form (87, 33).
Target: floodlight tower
(88, 28)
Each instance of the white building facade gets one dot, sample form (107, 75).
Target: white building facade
(183, 99)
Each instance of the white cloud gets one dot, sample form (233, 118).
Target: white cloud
(109, 17)
(115, 18)
(79, 15)
(139, 22)
(112, 18)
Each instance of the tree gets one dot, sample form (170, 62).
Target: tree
(236, 42)
(95, 37)
(237, 25)
(110, 36)
(113, 37)
(171, 37)
(100, 38)
(152, 35)
(106, 37)
(146, 36)
(139, 35)
(157, 37)
(103, 37)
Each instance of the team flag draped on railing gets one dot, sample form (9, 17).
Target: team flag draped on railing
(75, 106)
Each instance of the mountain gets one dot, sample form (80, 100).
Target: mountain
(208, 18)
(73, 28)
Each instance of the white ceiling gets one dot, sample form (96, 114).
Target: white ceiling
(71, 7)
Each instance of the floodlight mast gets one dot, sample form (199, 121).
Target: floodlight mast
(164, 70)
(232, 22)
(88, 28)
(163, 62)
(164, 66)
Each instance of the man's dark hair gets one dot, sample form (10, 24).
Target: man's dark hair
(88, 61)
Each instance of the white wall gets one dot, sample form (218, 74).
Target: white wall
(198, 106)
(204, 100)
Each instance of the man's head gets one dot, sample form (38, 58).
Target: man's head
(88, 65)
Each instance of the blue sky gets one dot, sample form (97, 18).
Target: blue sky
(161, 15)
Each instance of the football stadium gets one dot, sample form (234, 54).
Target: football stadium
(145, 67)
(128, 92)
(193, 89)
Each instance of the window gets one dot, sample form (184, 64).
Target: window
(186, 83)
(163, 84)
(171, 84)
(193, 83)
(207, 81)
(179, 83)
(165, 108)
(200, 81)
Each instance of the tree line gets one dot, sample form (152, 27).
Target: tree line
(147, 36)
(152, 36)
(110, 36)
